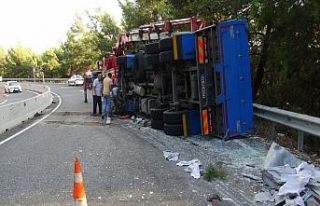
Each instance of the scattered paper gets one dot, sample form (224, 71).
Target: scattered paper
(288, 174)
(279, 156)
(193, 167)
(187, 163)
(171, 156)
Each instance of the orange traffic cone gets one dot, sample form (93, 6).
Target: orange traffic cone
(79, 194)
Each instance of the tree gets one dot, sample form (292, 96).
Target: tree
(290, 53)
(88, 43)
(2, 60)
(50, 62)
(144, 11)
(19, 62)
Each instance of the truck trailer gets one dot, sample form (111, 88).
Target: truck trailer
(188, 78)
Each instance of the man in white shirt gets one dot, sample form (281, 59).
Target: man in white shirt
(96, 94)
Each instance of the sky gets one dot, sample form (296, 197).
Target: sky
(40, 24)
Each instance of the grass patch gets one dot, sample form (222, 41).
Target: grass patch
(214, 171)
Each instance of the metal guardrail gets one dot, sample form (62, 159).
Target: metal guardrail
(35, 79)
(303, 123)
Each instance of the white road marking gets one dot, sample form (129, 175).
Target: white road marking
(37, 93)
(3, 102)
(34, 124)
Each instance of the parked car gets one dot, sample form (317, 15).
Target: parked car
(75, 80)
(12, 86)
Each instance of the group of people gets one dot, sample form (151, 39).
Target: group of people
(104, 91)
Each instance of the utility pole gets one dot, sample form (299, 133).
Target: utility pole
(33, 73)
(42, 73)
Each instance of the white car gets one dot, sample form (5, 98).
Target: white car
(12, 86)
(75, 80)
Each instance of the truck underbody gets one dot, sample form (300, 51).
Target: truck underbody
(194, 82)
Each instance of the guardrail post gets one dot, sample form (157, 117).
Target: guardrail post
(273, 131)
(300, 140)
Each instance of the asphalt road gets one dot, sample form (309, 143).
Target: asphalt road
(15, 97)
(119, 168)
(122, 164)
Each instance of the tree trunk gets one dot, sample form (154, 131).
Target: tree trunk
(262, 62)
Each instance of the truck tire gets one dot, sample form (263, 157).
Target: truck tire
(156, 114)
(166, 57)
(147, 67)
(165, 44)
(173, 129)
(152, 48)
(157, 124)
(173, 116)
(152, 59)
(138, 66)
(122, 60)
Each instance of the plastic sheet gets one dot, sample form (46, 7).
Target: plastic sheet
(171, 156)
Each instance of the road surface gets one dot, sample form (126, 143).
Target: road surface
(7, 98)
(122, 164)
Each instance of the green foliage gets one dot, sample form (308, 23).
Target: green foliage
(214, 171)
(211, 10)
(2, 60)
(88, 43)
(292, 65)
(141, 12)
(19, 62)
(50, 62)
(89, 38)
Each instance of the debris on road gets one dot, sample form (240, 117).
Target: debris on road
(252, 177)
(264, 197)
(278, 163)
(141, 122)
(296, 181)
(171, 156)
(212, 197)
(193, 167)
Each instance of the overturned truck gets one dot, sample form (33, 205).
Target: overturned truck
(188, 78)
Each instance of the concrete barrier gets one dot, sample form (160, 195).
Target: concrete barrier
(13, 114)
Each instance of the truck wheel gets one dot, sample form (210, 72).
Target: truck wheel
(166, 56)
(121, 60)
(138, 66)
(152, 59)
(157, 124)
(173, 129)
(156, 114)
(152, 48)
(166, 44)
(173, 116)
(147, 67)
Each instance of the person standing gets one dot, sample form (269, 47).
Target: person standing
(115, 97)
(96, 94)
(106, 90)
